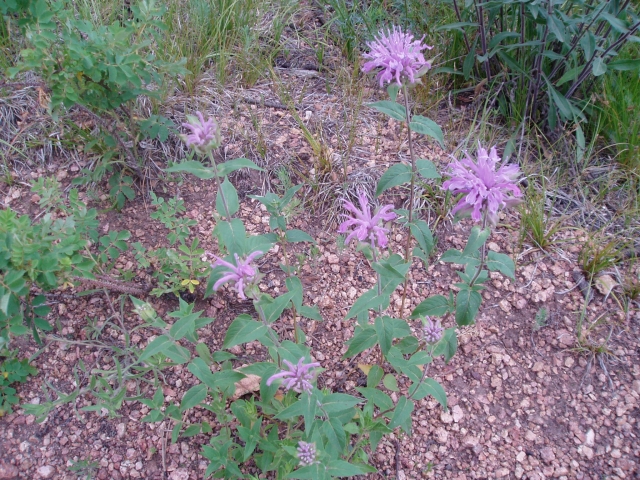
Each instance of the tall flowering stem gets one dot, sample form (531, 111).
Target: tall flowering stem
(218, 187)
(407, 251)
(204, 138)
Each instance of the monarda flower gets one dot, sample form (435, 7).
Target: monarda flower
(241, 274)
(396, 56)
(306, 453)
(366, 226)
(433, 331)
(204, 136)
(486, 190)
(296, 377)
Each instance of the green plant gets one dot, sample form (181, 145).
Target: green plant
(85, 468)
(621, 121)
(600, 253)
(167, 212)
(542, 316)
(103, 69)
(542, 59)
(535, 221)
(43, 254)
(12, 371)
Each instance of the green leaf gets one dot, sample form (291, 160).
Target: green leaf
(158, 345)
(184, 326)
(433, 388)
(435, 306)
(395, 175)
(242, 330)
(467, 306)
(273, 307)
(379, 398)
(194, 168)
(422, 233)
(625, 65)
(402, 412)
(226, 168)
(177, 353)
(392, 109)
(338, 402)
(230, 195)
(501, 263)
(390, 382)
(193, 397)
(341, 468)
(312, 313)
(477, 238)
(368, 300)
(447, 345)
(426, 126)
(393, 90)
(384, 331)
(374, 376)
(296, 235)
(599, 67)
(364, 338)
(426, 169)
(202, 372)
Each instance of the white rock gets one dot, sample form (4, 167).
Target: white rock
(46, 471)
(457, 413)
(590, 438)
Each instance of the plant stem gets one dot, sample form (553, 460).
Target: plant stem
(407, 252)
(218, 186)
(283, 243)
(483, 253)
(263, 319)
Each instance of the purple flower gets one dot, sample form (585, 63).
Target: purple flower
(398, 56)
(485, 189)
(432, 331)
(297, 377)
(306, 453)
(240, 274)
(204, 135)
(366, 226)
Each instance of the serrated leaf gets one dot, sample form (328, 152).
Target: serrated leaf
(392, 109)
(363, 339)
(374, 376)
(447, 346)
(158, 345)
(194, 396)
(230, 195)
(390, 382)
(436, 306)
(194, 168)
(433, 388)
(501, 263)
(402, 412)
(467, 306)
(426, 126)
(242, 330)
(395, 175)
(226, 168)
(426, 169)
(295, 235)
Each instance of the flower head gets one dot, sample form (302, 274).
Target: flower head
(204, 136)
(241, 274)
(486, 189)
(297, 377)
(397, 55)
(432, 331)
(306, 453)
(366, 226)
